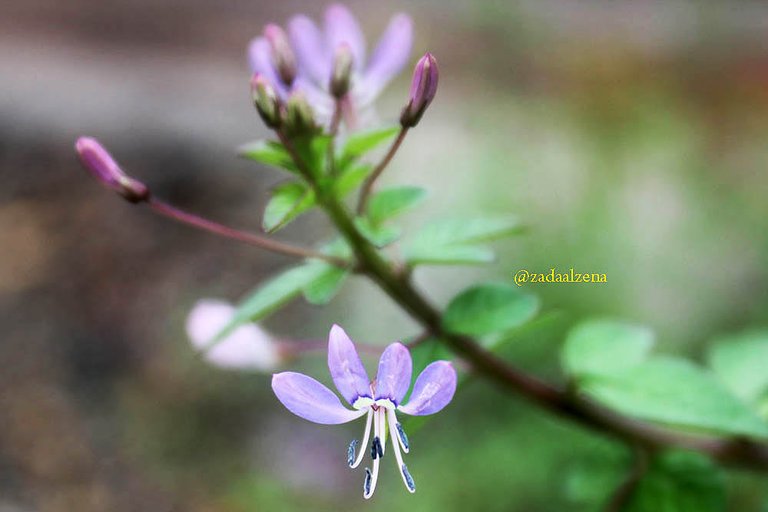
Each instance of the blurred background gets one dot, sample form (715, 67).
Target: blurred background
(630, 136)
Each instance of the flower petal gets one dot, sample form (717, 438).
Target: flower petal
(309, 46)
(260, 60)
(394, 376)
(433, 390)
(346, 369)
(388, 59)
(247, 347)
(307, 398)
(342, 27)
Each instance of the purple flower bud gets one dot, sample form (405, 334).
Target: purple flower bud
(282, 54)
(341, 75)
(423, 90)
(267, 102)
(103, 167)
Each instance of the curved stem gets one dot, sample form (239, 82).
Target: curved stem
(367, 187)
(624, 492)
(268, 244)
(735, 451)
(558, 400)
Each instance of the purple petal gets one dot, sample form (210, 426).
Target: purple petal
(342, 27)
(247, 347)
(260, 60)
(394, 376)
(307, 41)
(346, 369)
(433, 390)
(307, 398)
(389, 57)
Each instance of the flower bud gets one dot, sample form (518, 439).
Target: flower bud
(103, 167)
(423, 90)
(282, 54)
(247, 347)
(341, 76)
(266, 100)
(299, 119)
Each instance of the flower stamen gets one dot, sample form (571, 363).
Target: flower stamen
(407, 479)
(354, 462)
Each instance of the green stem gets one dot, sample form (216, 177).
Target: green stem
(559, 400)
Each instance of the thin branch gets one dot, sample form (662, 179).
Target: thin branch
(367, 188)
(624, 492)
(268, 244)
(558, 400)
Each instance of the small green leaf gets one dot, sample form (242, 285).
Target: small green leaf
(272, 295)
(351, 178)
(489, 308)
(392, 202)
(361, 143)
(379, 236)
(741, 362)
(675, 392)
(601, 347)
(269, 153)
(289, 200)
(326, 285)
(681, 482)
(450, 255)
(452, 241)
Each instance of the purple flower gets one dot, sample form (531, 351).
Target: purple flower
(378, 400)
(248, 347)
(315, 51)
(423, 90)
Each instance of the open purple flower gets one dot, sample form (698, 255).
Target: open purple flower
(378, 400)
(314, 51)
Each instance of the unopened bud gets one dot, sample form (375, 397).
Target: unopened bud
(100, 164)
(282, 54)
(266, 100)
(341, 76)
(300, 119)
(423, 90)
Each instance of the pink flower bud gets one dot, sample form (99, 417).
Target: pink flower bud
(282, 54)
(103, 167)
(423, 90)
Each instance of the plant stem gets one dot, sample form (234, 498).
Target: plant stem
(735, 451)
(624, 492)
(367, 187)
(559, 400)
(268, 244)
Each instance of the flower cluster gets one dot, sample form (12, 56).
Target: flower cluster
(379, 400)
(325, 65)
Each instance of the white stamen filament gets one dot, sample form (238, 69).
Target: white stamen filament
(364, 444)
(396, 443)
(396, 431)
(383, 430)
(377, 423)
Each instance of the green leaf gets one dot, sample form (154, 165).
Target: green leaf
(675, 392)
(392, 202)
(269, 153)
(601, 347)
(450, 255)
(452, 241)
(489, 308)
(379, 236)
(289, 200)
(326, 285)
(351, 178)
(741, 362)
(272, 295)
(679, 481)
(360, 143)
